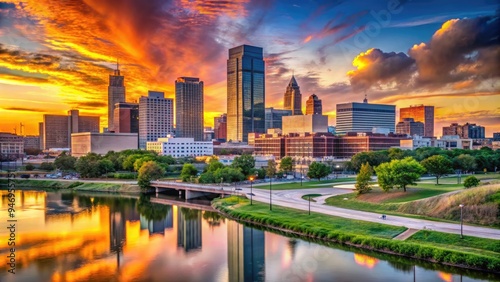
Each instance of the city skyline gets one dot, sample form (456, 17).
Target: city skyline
(401, 54)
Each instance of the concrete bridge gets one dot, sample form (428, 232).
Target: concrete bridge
(192, 190)
(182, 204)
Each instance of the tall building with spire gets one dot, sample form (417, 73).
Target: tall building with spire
(293, 98)
(116, 94)
(314, 106)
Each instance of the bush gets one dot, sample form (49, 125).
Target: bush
(75, 184)
(471, 181)
(47, 166)
(30, 167)
(127, 175)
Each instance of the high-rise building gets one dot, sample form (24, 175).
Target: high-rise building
(363, 117)
(466, 131)
(116, 94)
(410, 127)
(220, 127)
(189, 108)
(156, 117)
(31, 142)
(126, 118)
(274, 117)
(420, 113)
(40, 133)
(245, 92)
(313, 105)
(292, 97)
(305, 123)
(57, 129)
(496, 136)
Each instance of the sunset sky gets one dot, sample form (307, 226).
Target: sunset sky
(57, 55)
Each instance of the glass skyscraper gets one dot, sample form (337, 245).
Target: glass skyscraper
(189, 108)
(245, 92)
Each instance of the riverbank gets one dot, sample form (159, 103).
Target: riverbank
(483, 255)
(78, 185)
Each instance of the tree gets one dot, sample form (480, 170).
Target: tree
(271, 169)
(318, 170)
(363, 179)
(128, 163)
(47, 166)
(245, 163)
(188, 171)
(30, 167)
(149, 171)
(105, 166)
(396, 154)
(286, 164)
(166, 160)
(228, 175)
(65, 162)
(464, 162)
(88, 166)
(438, 166)
(214, 165)
(399, 173)
(139, 161)
(471, 181)
(207, 177)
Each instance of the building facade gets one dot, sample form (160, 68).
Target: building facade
(31, 142)
(156, 117)
(496, 136)
(314, 106)
(189, 108)
(57, 129)
(116, 94)
(220, 128)
(466, 131)
(419, 142)
(410, 127)
(292, 99)
(420, 113)
(363, 117)
(126, 118)
(181, 147)
(305, 123)
(101, 143)
(11, 146)
(274, 117)
(245, 92)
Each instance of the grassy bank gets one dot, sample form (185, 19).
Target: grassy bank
(304, 185)
(360, 234)
(75, 185)
(310, 196)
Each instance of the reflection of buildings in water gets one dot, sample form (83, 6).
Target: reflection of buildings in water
(246, 253)
(57, 203)
(189, 229)
(157, 226)
(131, 214)
(366, 261)
(117, 233)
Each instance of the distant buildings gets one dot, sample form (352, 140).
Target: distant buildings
(11, 146)
(189, 108)
(305, 123)
(496, 136)
(31, 142)
(468, 130)
(409, 127)
(313, 105)
(220, 127)
(126, 118)
(363, 117)
(57, 129)
(420, 113)
(116, 94)
(274, 117)
(156, 117)
(293, 98)
(456, 142)
(181, 147)
(100, 143)
(420, 142)
(245, 92)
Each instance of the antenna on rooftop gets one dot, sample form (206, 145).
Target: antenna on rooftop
(366, 99)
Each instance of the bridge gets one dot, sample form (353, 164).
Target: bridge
(182, 204)
(193, 190)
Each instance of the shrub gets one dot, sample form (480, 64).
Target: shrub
(127, 175)
(30, 167)
(471, 181)
(47, 166)
(75, 184)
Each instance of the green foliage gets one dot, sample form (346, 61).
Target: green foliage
(128, 163)
(471, 181)
(128, 175)
(271, 168)
(65, 162)
(139, 161)
(75, 184)
(148, 172)
(207, 177)
(245, 163)
(151, 211)
(47, 166)
(465, 162)
(363, 179)
(166, 160)
(30, 167)
(318, 170)
(105, 166)
(214, 165)
(399, 173)
(228, 175)
(373, 158)
(438, 166)
(261, 173)
(286, 164)
(188, 171)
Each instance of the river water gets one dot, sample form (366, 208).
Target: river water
(105, 237)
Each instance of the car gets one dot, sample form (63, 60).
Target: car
(25, 176)
(67, 177)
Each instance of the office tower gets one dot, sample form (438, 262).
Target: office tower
(305, 123)
(189, 108)
(31, 142)
(410, 127)
(363, 117)
(421, 113)
(466, 131)
(189, 229)
(57, 129)
(245, 92)
(40, 133)
(496, 136)
(313, 106)
(293, 98)
(156, 117)
(274, 117)
(126, 118)
(116, 94)
(220, 127)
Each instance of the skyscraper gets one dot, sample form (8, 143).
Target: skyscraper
(274, 117)
(410, 127)
(156, 117)
(363, 117)
(220, 127)
(116, 94)
(57, 129)
(421, 113)
(313, 105)
(189, 108)
(126, 118)
(245, 92)
(468, 130)
(293, 98)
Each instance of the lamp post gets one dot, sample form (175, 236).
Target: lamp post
(309, 204)
(251, 190)
(461, 221)
(270, 194)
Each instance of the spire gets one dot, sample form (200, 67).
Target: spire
(293, 81)
(117, 71)
(365, 100)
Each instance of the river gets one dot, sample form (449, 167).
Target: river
(64, 236)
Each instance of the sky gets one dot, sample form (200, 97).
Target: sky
(58, 55)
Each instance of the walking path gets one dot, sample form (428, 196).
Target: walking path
(405, 235)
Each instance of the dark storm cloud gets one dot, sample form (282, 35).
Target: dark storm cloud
(21, 109)
(7, 6)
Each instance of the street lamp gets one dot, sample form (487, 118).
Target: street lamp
(270, 194)
(461, 222)
(309, 204)
(251, 193)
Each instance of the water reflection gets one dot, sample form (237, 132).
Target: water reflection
(105, 237)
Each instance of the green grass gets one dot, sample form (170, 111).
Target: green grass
(76, 185)
(305, 184)
(310, 196)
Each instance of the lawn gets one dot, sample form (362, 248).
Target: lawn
(305, 184)
(310, 196)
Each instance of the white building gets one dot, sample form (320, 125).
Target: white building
(420, 142)
(156, 117)
(455, 142)
(101, 143)
(181, 147)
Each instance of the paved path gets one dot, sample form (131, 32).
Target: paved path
(405, 235)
